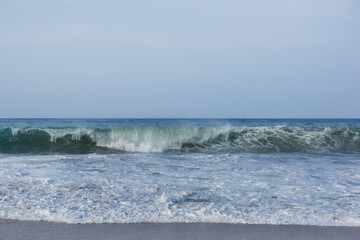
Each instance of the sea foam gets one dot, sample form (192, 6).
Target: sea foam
(191, 187)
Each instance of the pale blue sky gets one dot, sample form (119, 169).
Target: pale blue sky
(187, 58)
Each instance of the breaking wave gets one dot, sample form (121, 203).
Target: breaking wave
(182, 139)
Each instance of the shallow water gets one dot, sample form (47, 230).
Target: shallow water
(215, 181)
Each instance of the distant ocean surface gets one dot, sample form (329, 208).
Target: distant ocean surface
(266, 171)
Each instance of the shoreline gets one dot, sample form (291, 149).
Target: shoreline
(23, 230)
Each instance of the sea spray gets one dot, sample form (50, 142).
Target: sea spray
(181, 139)
(263, 171)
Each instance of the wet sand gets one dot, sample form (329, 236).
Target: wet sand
(14, 230)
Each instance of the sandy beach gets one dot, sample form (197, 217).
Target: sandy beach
(21, 230)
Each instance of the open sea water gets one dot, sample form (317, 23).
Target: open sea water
(266, 171)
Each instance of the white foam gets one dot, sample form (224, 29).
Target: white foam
(231, 188)
(155, 139)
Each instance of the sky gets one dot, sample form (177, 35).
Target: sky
(180, 59)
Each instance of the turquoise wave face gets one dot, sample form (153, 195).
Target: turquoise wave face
(183, 170)
(38, 140)
(180, 139)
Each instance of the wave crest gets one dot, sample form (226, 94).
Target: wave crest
(183, 139)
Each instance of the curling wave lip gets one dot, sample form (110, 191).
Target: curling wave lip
(180, 139)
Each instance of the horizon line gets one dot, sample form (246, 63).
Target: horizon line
(169, 118)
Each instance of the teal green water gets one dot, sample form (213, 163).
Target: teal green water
(84, 136)
(264, 171)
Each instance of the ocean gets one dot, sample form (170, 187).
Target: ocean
(262, 171)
